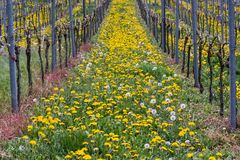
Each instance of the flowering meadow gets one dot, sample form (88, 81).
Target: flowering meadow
(121, 102)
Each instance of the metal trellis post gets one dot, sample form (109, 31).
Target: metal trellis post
(232, 58)
(163, 5)
(177, 32)
(72, 30)
(54, 56)
(12, 64)
(194, 36)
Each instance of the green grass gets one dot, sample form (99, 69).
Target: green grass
(5, 78)
(238, 68)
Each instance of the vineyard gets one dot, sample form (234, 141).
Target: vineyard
(119, 79)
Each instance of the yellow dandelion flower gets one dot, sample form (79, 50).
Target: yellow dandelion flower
(87, 156)
(211, 158)
(33, 142)
(68, 157)
(190, 155)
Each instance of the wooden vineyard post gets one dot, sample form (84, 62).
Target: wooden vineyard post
(12, 64)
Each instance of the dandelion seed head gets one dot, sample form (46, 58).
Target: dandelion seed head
(187, 141)
(154, 111)
(168, 143)
(153, 101)
(128, 94)
(172, 113)
(182, 106)
(154, 68)
(173, 118)
(146, 146)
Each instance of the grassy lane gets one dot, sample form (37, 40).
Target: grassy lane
(121, 103)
